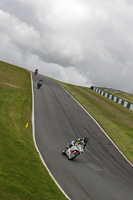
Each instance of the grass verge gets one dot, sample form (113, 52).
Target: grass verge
(116, 120)
(22, 175)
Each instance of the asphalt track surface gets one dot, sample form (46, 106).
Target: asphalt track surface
(101, 172)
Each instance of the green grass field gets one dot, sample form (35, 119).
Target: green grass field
(22, 174)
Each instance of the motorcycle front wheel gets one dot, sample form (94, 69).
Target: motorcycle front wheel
(64, 152)
(73, 155)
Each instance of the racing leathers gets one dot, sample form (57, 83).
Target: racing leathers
(78, 141)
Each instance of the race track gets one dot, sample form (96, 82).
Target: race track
(101, 173)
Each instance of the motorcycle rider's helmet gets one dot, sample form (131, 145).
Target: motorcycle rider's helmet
(86, 139)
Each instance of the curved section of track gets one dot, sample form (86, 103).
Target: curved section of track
(101, 173)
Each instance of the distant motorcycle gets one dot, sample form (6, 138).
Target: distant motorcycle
(73, 151)
(39, 84)
(36, 72)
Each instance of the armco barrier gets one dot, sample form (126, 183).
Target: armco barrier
(113, 98)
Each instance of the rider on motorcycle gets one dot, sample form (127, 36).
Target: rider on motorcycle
(39, 84)
(36, 72)
(83, 140)
(80, 140)
(40, 81)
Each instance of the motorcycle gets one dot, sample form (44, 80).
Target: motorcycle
(39, 84)
(36, 72)
(73, 151)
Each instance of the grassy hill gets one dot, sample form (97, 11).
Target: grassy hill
(22, 175)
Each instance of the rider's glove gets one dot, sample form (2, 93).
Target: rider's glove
(72, 143)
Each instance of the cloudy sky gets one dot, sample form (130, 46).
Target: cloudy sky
(83, 42)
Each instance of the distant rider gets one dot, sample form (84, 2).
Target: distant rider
(39, 84)
(40, 81)
(36, 72)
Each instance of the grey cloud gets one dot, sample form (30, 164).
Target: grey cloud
(92, 41)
